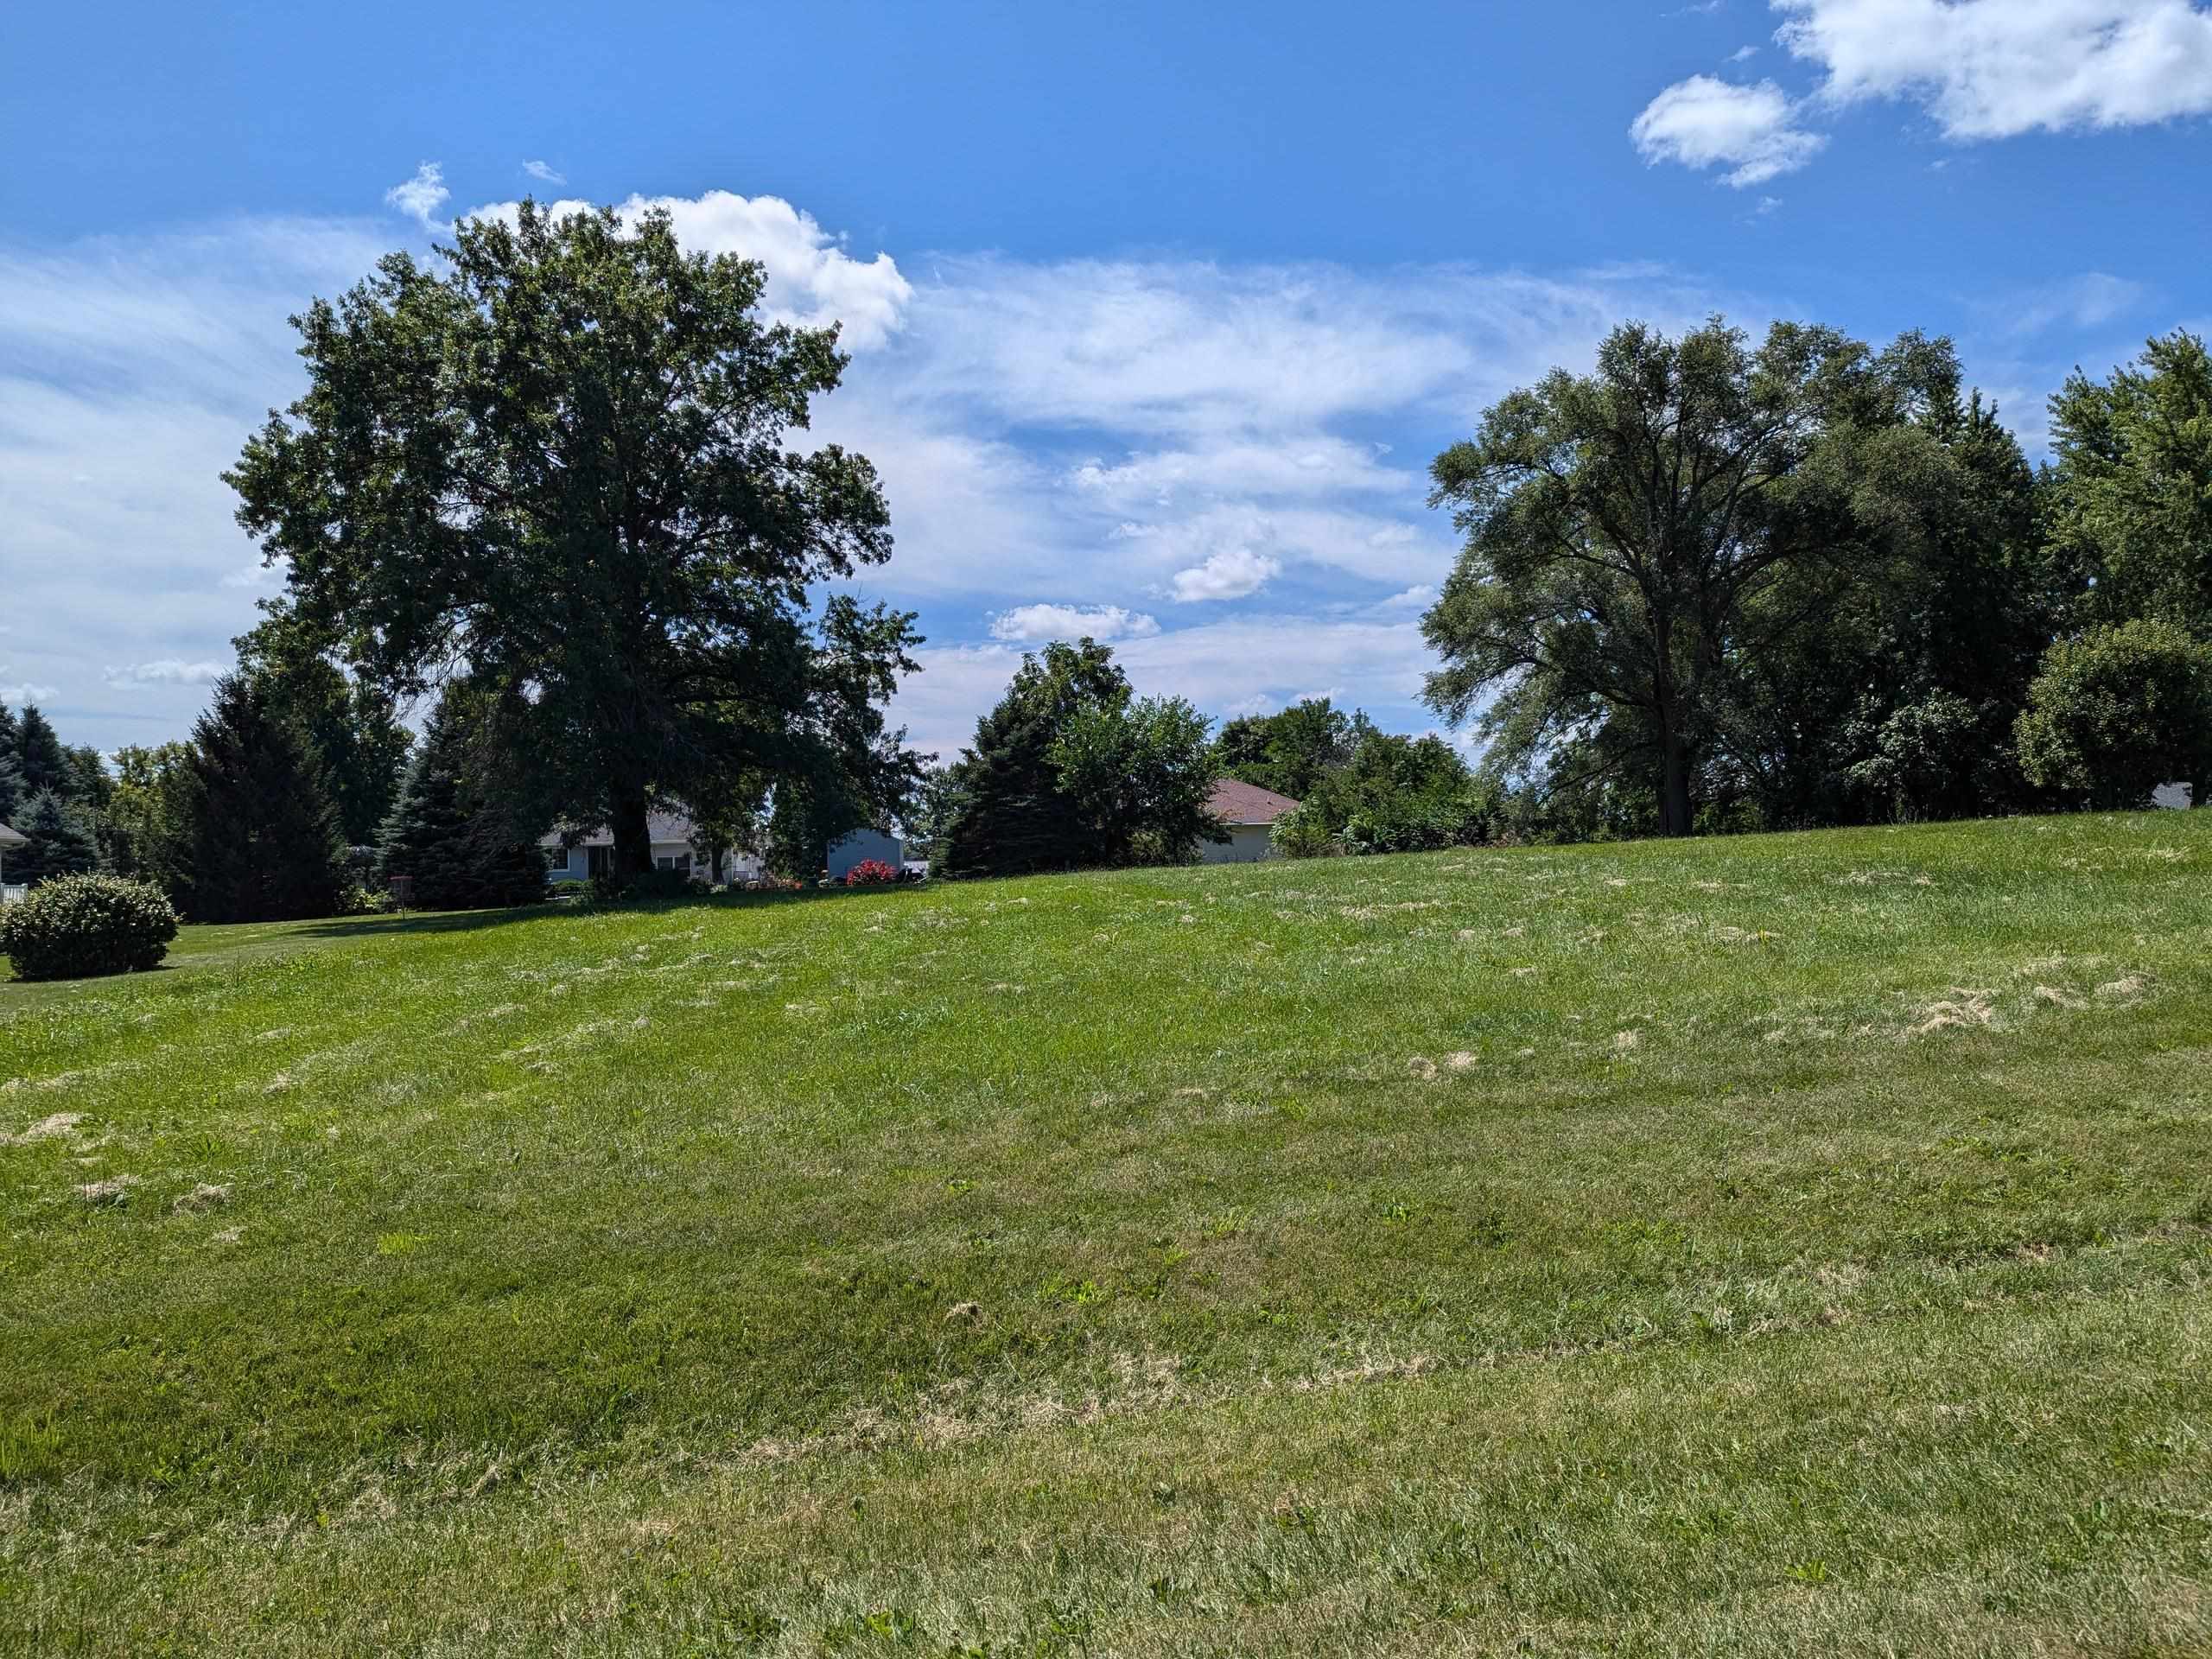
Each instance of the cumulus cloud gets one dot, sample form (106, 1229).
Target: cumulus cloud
(813, 281)
(1983, 69)
(544, 172)
(164, 670)
(20, 692)
(1998, 68)
(421, 197)
(1704, 122)
(1046, 622)
(1231, 574)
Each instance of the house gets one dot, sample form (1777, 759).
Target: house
(860, 846)
(9, 837)
(1250, 813)
(2172, 795)
(674, 848)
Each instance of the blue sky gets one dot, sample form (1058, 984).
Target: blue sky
(1158, 313)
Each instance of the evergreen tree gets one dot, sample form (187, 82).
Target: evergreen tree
(62, 842)
(39, 751)
(14, 796)
(353, 724)
(1012, 817)
(455, 849)
(263, 831)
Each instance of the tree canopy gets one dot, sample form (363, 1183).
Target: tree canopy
(2131, 492)
(1071, 771)
(555, 460)
(1635, 535)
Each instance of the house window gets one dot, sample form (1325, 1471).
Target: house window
(599, 860)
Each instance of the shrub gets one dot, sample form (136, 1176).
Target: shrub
(75, 926)
(870, 872)
(2118, 712)
(362, 899)
(642, 888)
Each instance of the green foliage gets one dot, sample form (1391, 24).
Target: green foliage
(1290, 752)
(642, 887)
(455, 848)
(559, 455)
(1067, 772)
(62, 841)
(76, 927)
(261, 828)
(2131, 492)
(352, 724)
(2119, 712)
(1135, 778)
(1393, 795)
(1635, 537)
(1011, 816)
(147, 821)
(44, 763)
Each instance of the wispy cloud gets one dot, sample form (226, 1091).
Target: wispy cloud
(1036, 623)
(166, 670)
(543, 173)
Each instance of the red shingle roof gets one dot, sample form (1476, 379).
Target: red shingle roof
(1242, 803)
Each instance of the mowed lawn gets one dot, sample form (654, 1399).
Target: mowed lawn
(1765, 1246)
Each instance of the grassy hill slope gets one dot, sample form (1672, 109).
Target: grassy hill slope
(1765, 1245)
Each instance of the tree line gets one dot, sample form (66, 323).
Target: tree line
(1717, 585)
(545, 485)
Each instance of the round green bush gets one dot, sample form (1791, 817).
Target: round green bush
(75, 926)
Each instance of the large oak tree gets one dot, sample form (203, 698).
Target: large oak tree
(555, 459)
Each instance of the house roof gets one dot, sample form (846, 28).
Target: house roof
(1234, 800)
(13, 837)
(660, 828)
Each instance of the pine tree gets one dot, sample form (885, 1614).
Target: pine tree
(263, 830)
(61, 840)
(14, 796)
(39, 751)
(455, 850)
(1013, 815)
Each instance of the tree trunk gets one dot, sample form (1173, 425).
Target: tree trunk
(2200, 790)
(1675, 791)
(633, 844)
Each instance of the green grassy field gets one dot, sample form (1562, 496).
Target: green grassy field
(1771, 1246)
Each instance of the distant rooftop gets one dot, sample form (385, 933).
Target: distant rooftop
(1236, 802)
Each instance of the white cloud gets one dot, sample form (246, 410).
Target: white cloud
(1742, 55)
(1238, 419)
(1705, 122)
(166, 670)
(421, 197)
(544, 172)
(1043, 622)
(23, 691)
(1231, 574)
(813, 281)
(1998, 68)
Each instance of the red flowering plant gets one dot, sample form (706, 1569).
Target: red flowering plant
(869, 873)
